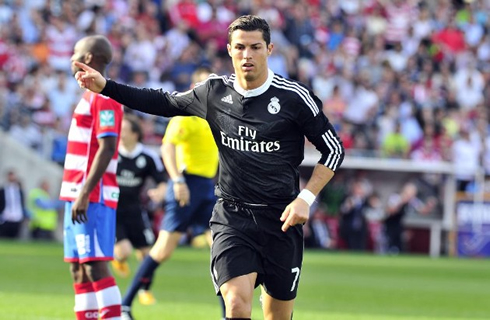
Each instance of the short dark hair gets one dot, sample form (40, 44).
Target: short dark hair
(134, 121)
(251, 23)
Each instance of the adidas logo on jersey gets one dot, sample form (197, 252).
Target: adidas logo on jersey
(227, 99)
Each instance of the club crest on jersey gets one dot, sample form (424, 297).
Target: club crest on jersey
(274, 107)
(107, 118)
(141, 162)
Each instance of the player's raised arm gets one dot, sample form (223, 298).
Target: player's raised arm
(89, 78)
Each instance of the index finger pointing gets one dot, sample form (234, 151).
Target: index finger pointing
(83, 66)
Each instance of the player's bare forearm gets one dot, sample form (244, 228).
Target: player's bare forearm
(319, 178)
(169, 160)
(298, 211)
(107, 147)
(101, 161)
(181, 191)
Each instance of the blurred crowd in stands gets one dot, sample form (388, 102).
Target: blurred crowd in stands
(403, 79)
(398, 79)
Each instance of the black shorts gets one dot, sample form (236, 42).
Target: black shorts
(136, 227)
(249, 239)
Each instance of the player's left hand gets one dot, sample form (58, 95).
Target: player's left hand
(297, 212)
(79, 210)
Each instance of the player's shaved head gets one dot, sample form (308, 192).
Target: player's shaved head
(94, 50)
(99, 46)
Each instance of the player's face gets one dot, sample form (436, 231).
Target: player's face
(249, 53)
(77, 56)
(127, 136)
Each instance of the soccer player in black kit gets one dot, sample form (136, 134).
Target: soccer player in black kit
(259, 121)
(136, 164)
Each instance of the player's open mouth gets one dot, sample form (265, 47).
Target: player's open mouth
(247, 66)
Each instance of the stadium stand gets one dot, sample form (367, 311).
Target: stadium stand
(376, 64)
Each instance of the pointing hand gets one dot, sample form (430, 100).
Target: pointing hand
(89, 78)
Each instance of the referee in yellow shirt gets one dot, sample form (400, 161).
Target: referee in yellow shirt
(190, 156)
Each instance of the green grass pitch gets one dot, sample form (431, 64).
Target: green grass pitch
(35, 285)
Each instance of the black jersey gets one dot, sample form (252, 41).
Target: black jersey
(133, 169)
(259, 133)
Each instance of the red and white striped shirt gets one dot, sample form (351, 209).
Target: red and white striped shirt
(399, 20)
(96, 116)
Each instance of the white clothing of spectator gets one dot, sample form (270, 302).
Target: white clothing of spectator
(141, 54)
(465, 154)
(396, 58)
(469, 95)
(177, 40)
(376, 23)
(473, 32)
(423, 26)
(362, 106)
(483, 50)
(63, 96)
(6, 13)
(462, 74)
(205, 12)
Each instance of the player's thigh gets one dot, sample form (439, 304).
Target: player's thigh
(275, 309)
(239, 290)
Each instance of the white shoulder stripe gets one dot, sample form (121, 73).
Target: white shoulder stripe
(335, 150)
(302, 92)
(212, 76)
(156, 159)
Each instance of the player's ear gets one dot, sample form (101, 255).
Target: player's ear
(228, 47)
(269, 49)
(87, 57)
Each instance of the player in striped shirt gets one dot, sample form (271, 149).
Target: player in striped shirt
(259, 121)
(90, 190)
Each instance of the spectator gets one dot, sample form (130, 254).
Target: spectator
(61, 37)
(465, 155)
(214, 30)
(427, 151)
(353, 220)
(442, 64)
(395, 144)
(12, 207)
(63, 96)
(399, 205)
(43, 211)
